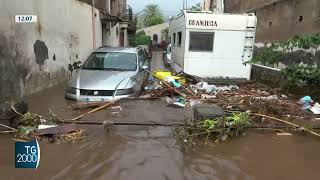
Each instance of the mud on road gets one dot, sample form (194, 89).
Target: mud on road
(136, 153)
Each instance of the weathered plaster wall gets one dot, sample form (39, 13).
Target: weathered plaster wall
(35, 56)
(111, 35)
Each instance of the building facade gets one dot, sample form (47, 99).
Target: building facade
(117, 21)
(36, 55)
(213, 5)
(155, 32)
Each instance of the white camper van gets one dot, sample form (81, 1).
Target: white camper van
(208, 44)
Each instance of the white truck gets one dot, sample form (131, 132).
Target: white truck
(208, 44)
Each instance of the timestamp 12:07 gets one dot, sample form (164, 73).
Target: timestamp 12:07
(25, 18)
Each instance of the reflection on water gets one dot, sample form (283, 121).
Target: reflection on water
(136, 153)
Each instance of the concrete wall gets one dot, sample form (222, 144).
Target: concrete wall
(35, 56)
(266, 75)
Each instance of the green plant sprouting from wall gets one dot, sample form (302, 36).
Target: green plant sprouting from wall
(276, 52)
(297, 75)
(303, 75)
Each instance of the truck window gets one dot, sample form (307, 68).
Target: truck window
(201, 41)
(179, 38)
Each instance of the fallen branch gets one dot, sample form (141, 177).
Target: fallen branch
(121, 123)
(7, 132)
(14, 109)
(273, 127)
(287, 122)
(86, 105)
(8, 127)
(94, 110)
(174, 89)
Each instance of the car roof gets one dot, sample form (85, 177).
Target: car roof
(118, 49)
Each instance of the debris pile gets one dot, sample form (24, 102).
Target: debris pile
(33, 126)
(212, 130)
(269, 109)
(182, 91)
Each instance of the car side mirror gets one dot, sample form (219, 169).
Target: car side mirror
(144, 67)
(76, 65)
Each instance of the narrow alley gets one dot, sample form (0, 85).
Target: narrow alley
(136, 152)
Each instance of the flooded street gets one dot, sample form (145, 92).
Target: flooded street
(138, 153)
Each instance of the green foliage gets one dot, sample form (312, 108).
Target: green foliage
(29, 119)
(214, 130)
(139, 38)
(165, 33)
(303, 75)
(269, 55)
(305, 42)
(196, 7)
(152, 15)
(277, 51)
(154, 20)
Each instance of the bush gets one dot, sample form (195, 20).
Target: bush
(139, 39)
(303, 75)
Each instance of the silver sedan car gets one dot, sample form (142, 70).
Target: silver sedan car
(108, 74)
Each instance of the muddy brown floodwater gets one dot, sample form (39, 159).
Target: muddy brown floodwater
(150, 153)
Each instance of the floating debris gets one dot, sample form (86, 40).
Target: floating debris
(212, 130)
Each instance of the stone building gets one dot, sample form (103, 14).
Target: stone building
(155, 32)
(36, 55)
(279, 19)
(213, 5)
(117, 21)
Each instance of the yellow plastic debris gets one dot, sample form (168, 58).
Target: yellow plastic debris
(163, 75)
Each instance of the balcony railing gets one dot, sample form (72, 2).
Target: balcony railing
(127, 13)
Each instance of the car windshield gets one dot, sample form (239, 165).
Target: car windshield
(113, 61)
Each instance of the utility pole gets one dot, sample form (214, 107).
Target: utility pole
(93, 27)
(183, 1)
(185, 4)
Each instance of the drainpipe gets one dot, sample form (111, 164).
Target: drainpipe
(93, 27)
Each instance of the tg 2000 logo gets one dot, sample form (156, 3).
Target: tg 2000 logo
(27, 154)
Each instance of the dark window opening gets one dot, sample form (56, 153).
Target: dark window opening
(179, 38)
(155, 37)
(174, 39)
(270, 23)
(201, 41)
(300, 18)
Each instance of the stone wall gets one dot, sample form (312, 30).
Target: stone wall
(280, 19)
(297, 56)
(35, 56)
(266, 75)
